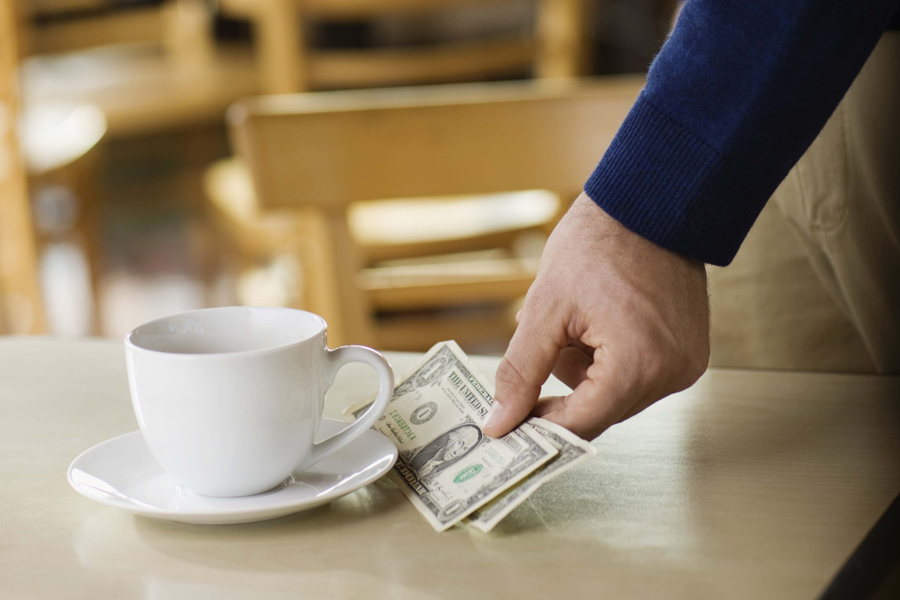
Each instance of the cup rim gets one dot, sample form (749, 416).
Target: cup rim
(129, 344)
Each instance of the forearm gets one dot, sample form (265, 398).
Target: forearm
(733, 100)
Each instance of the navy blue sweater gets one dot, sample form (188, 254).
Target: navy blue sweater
(736, 95)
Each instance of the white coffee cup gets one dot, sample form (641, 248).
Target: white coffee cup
(229, 399)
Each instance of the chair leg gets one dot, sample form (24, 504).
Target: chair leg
(330, 282)
(81, 177)
(280, 49)
(561, 36)
(21, 303)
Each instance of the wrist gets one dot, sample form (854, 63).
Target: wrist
(620, 238)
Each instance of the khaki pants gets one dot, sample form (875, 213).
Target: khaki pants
(827, 296)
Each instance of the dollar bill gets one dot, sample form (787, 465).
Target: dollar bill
(572, 450)
(446, 466)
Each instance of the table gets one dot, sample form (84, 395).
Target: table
(751, 484)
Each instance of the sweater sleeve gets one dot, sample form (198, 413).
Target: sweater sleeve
(736, 95)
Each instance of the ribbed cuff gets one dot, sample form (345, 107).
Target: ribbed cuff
(666, 184)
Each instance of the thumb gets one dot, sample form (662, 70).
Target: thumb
(528, 362)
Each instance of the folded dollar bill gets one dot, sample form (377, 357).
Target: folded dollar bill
(447, 467)
(572, 450)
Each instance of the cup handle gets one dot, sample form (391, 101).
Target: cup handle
(337, 358)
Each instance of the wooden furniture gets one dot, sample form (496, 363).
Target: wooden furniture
(66, 27)
(21, 308)
(391, 229)
(325, 152)
(288, 64)
(283, 258)
(59, 145)
(751, 484)
(383, 231)
(147, 67)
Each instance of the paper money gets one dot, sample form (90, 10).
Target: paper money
(572, 450)
(446, 466)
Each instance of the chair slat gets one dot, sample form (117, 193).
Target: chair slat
(448, 61)
(337, 148)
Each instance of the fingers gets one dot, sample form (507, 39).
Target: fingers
(548, 405)
(528, 362)
(586, 412)
(571, 369)
(605, 389)
(597, 403)
(573, 363)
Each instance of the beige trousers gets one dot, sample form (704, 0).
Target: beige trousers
(827, 295)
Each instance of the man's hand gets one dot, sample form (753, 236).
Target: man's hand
(618, 319)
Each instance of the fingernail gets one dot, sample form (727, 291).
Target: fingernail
(493, 416)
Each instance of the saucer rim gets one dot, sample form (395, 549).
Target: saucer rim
(277, 509)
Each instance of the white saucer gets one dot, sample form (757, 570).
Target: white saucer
(121, 472)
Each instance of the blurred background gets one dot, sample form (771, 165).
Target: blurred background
(129, 190)
(121, 108)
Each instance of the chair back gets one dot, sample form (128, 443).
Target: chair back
(181, 27)
(553, 48)
(332, 149)
(325, 151)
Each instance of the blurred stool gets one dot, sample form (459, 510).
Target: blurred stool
(368, 266)
(553, 47)
(21, 304)
(146, 67)
(422, 253)
(58, 143)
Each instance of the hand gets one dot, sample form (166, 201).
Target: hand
(620, 320)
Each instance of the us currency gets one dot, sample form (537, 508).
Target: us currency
(446, 466)
(572, 450)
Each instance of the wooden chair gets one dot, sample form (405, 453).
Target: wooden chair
(21, 308)
(114, 70)
(60, 145)
(323, 153)
(147, 67)
(288, 64)
(263, 248)
(383, 229)
(56, 26)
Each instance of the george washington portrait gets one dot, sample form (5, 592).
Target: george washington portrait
(443, 451)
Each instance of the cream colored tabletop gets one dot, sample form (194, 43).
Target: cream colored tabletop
(748, 485)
